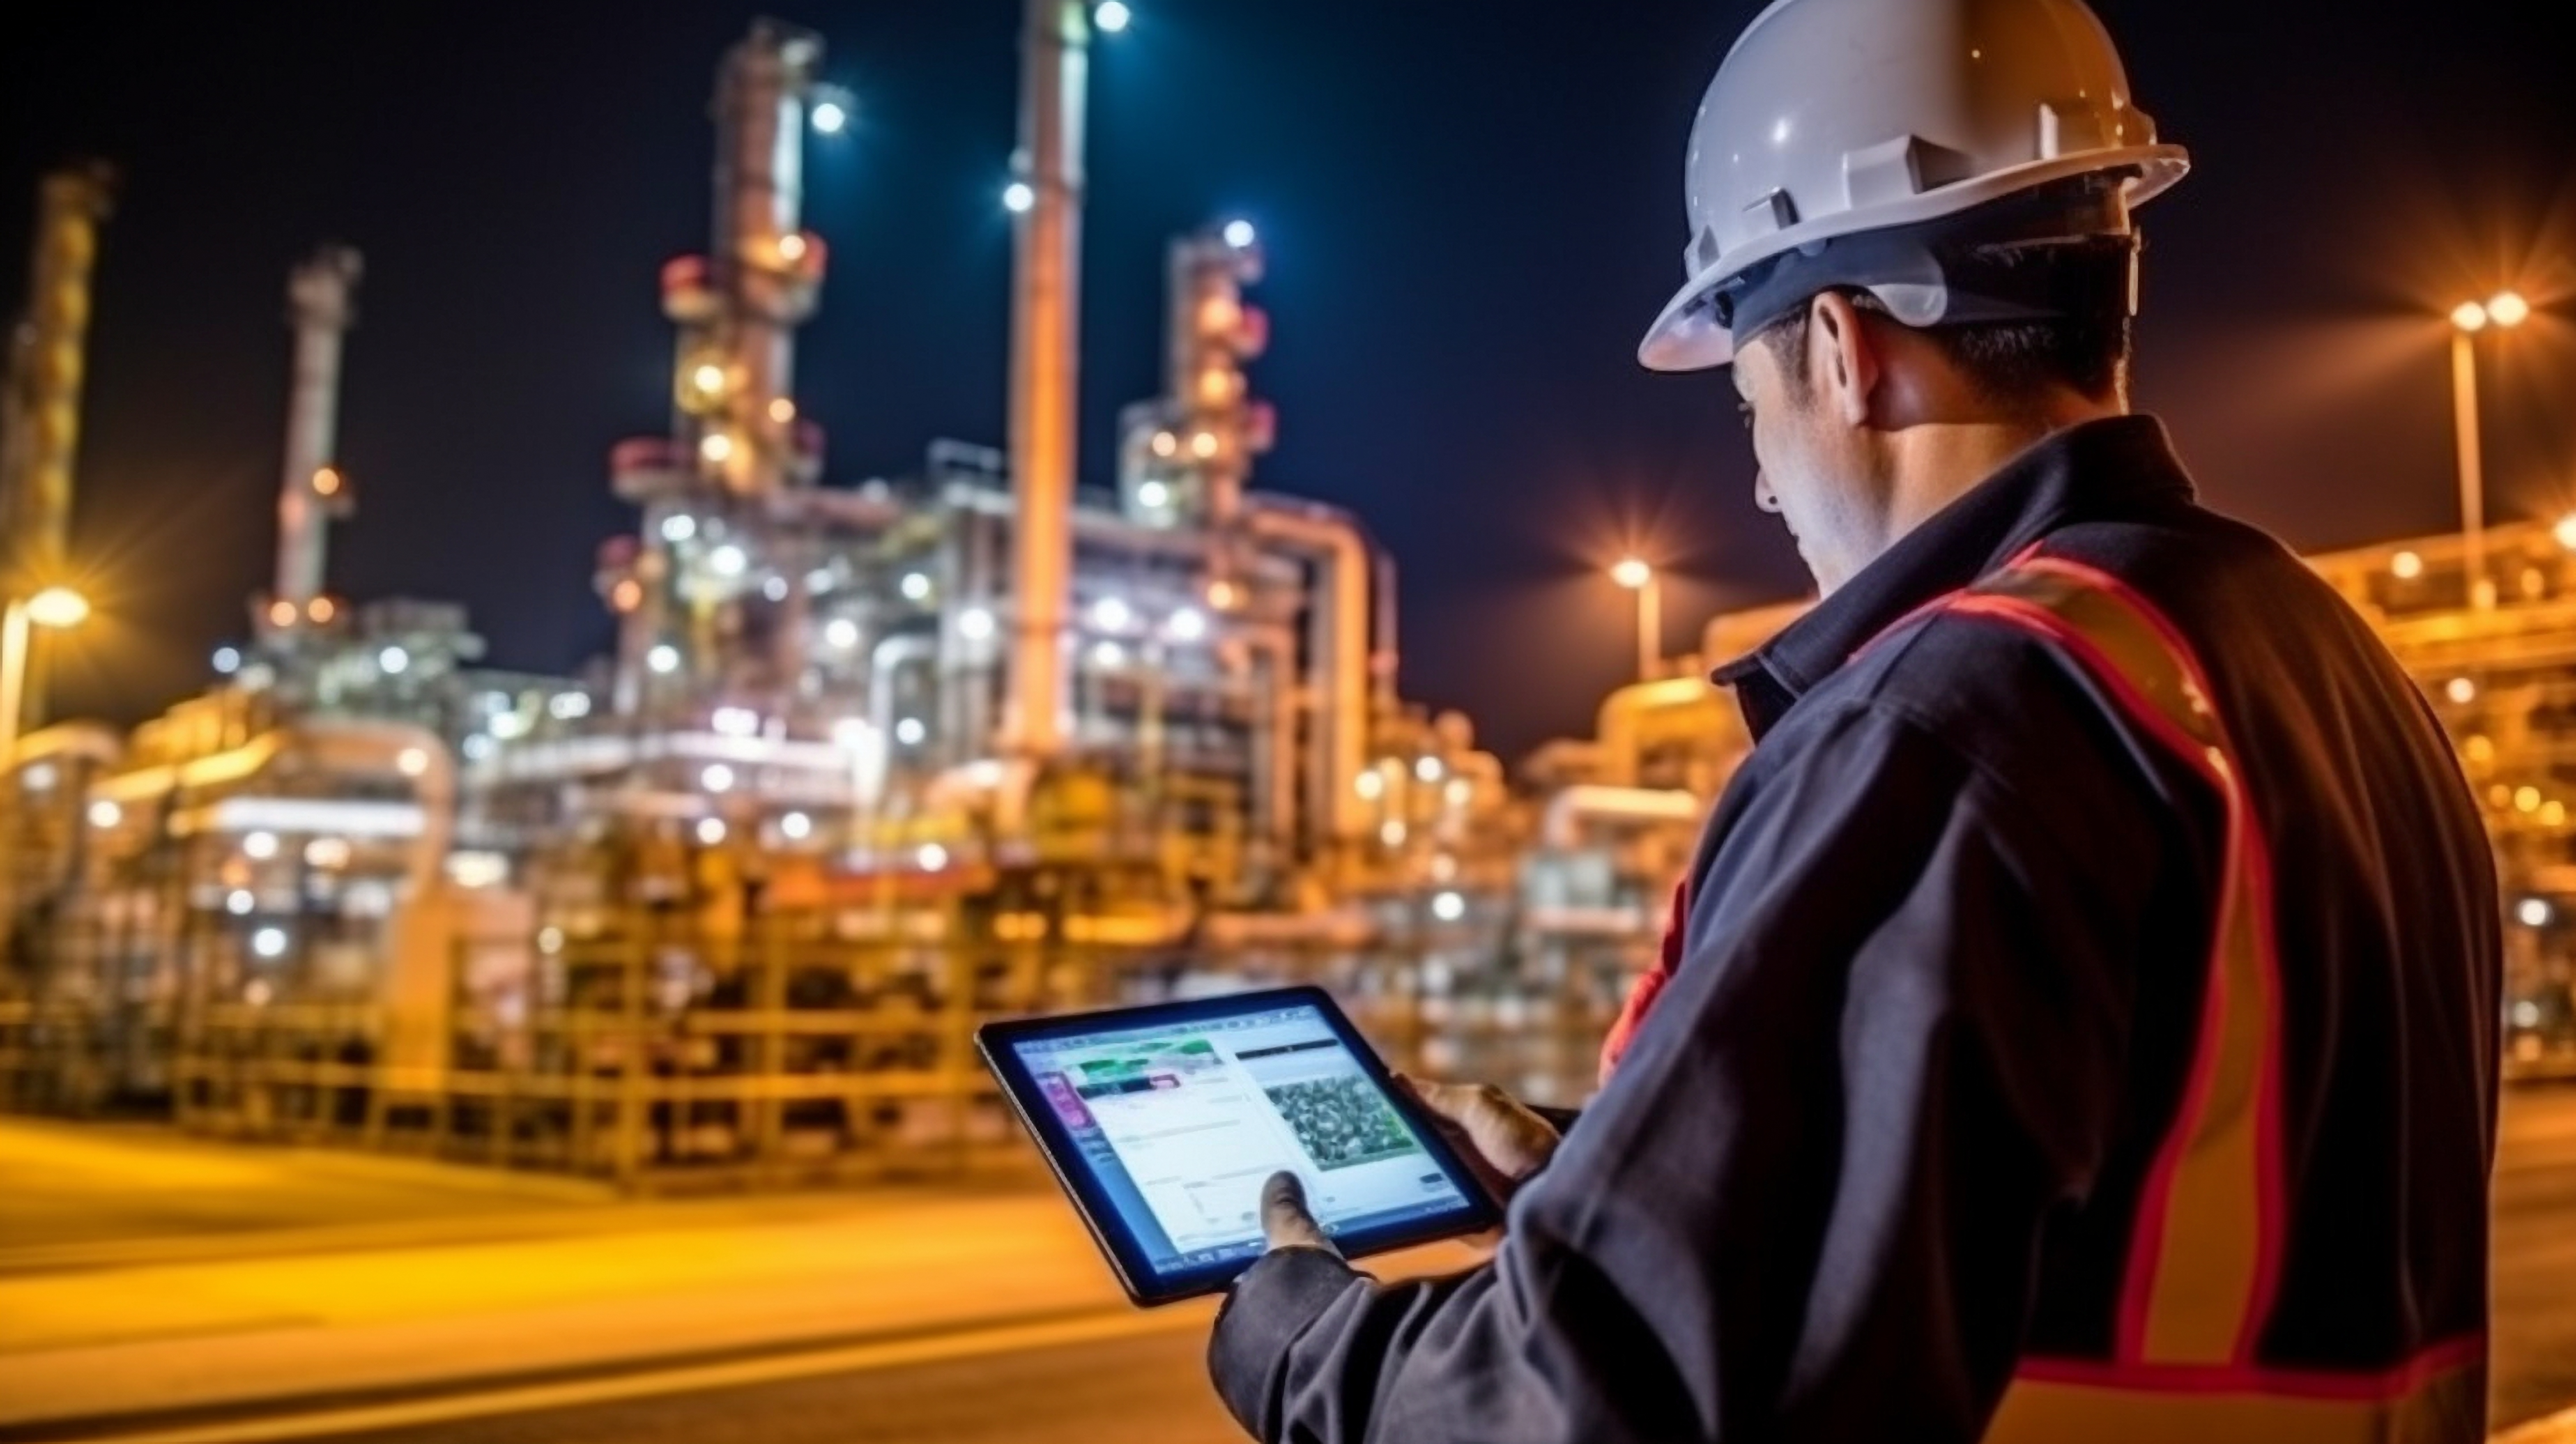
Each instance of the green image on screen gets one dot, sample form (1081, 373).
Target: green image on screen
(1342, 1122)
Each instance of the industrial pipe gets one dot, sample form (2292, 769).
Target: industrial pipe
(1340, 630)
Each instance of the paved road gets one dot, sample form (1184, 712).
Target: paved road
(1151, 1389)
(2535, 1254)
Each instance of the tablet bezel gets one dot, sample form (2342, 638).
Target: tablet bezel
(1118, 1243)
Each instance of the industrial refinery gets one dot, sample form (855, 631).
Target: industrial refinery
(874, 759)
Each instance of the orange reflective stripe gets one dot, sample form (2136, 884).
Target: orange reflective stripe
(2204, 1254)
(2437, 1399)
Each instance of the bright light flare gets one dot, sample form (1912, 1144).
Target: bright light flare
(2508, 309)
(1239, 234)
(58, 607)
(2469, 316)
(1632, 573)
(1112, 17)
(831, 117)
(1018, 196)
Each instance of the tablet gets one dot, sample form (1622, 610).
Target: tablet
(1163, 1122)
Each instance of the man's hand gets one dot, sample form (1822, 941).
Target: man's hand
(1284, 1219)
(1504, 1142)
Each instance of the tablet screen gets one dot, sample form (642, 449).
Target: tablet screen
(1180, 1123)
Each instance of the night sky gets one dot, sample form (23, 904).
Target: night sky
(1471, 211)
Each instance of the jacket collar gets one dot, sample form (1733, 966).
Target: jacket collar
(2097, 470)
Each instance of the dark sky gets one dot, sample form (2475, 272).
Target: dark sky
(1471, 211)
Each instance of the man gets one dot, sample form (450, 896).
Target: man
(2083, 1024)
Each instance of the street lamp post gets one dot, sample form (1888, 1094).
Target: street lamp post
(1634, 574)
(2507, 310)
(54, 607)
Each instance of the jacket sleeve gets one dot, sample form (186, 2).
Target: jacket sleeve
(1808, 1206)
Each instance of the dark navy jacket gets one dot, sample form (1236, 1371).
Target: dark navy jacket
(1883, 1135)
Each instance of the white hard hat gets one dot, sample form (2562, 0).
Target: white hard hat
(1837, 118)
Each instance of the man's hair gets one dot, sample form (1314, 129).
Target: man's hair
(2007, 362)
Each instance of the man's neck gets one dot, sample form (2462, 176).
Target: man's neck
(1938, 463)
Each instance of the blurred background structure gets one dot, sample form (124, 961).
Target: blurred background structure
(415, 1033)
(873, 759)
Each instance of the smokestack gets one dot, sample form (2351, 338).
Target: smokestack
(41, 426)
(766, 267)
(1045, 356)
(312, 492)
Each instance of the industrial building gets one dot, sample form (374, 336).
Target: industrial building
(873, 761)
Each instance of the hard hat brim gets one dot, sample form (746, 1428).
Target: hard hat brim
(1686, 336)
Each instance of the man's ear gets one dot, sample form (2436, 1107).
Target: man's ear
(1843, 358)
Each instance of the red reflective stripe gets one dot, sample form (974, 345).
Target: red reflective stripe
(2100, 580)
(2133, 701)
(2247, 880)
(2147, 1232)
(2390, 1383)
(2271, 1197)
(1647, 986)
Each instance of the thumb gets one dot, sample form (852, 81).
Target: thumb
(1285, 1221)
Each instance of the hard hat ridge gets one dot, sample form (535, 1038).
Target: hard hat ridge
(1832, 119)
